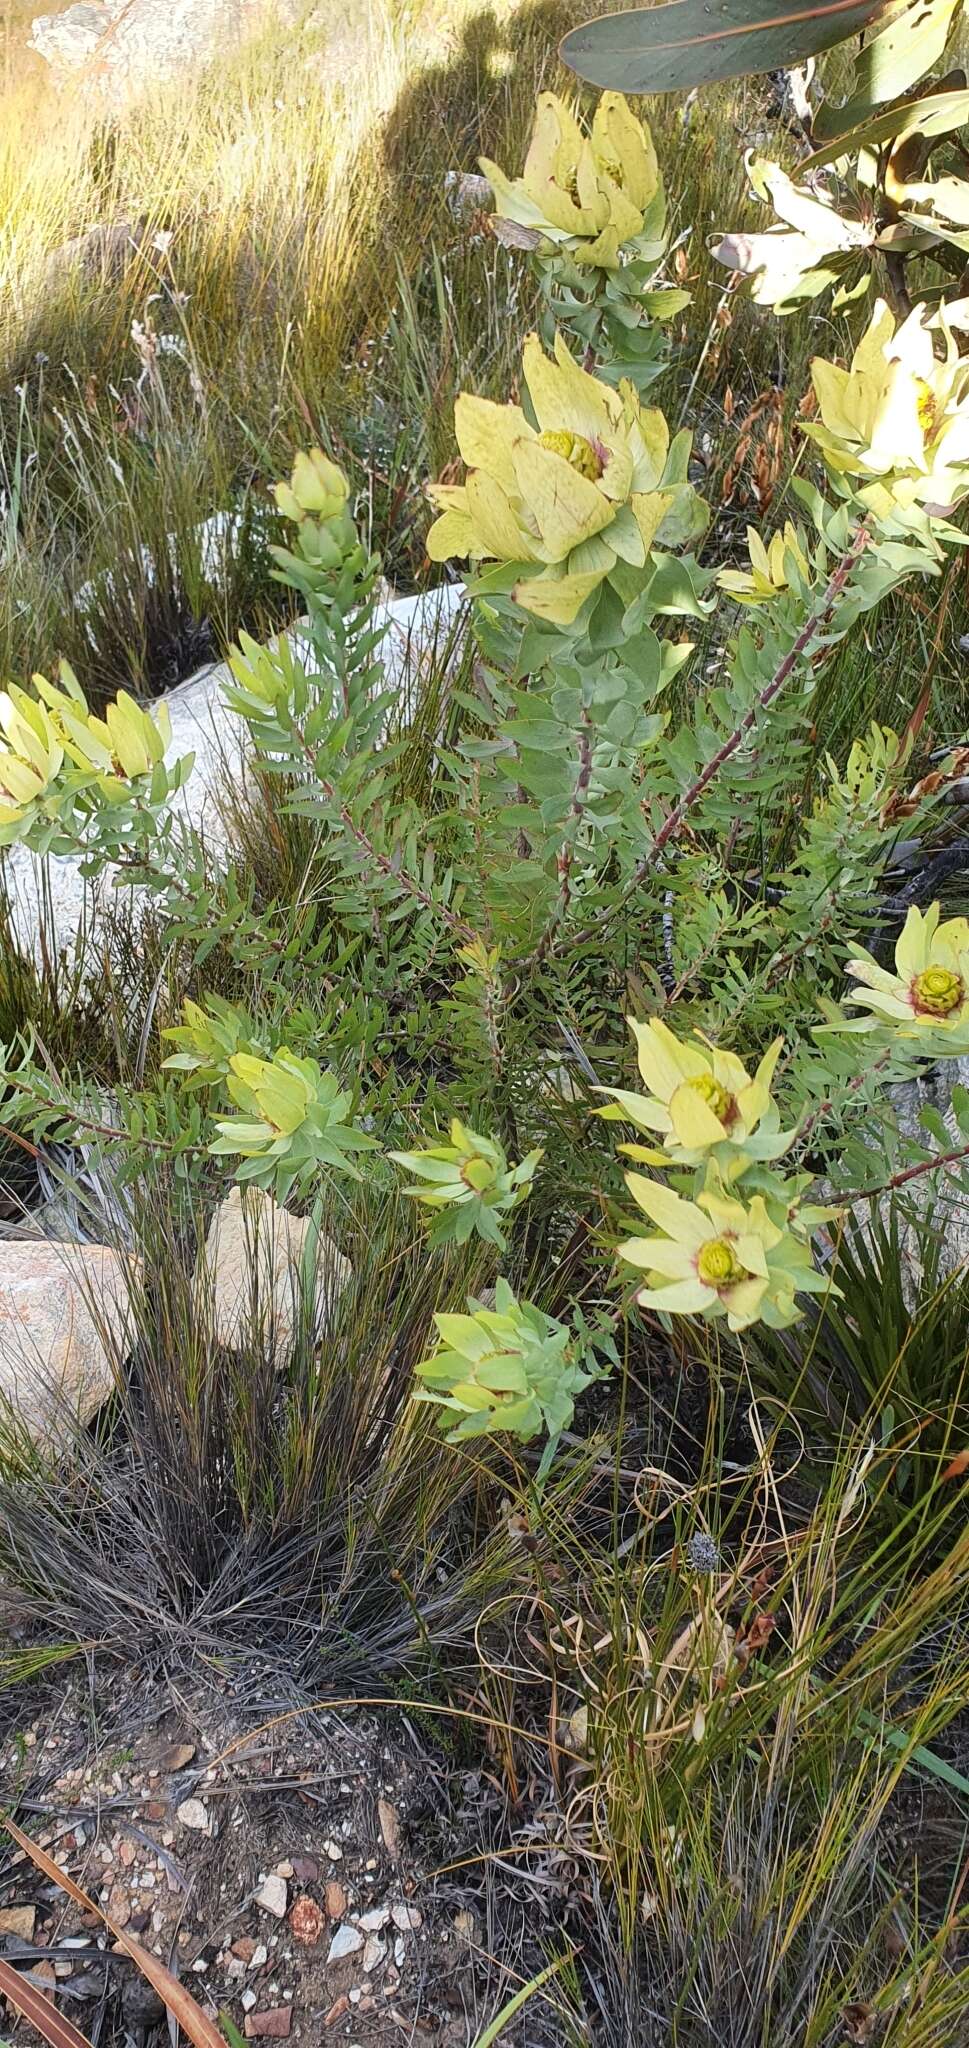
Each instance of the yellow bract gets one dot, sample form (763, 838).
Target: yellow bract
(928, 993)
(31, 753)
(596, 482)
(699, 1098)
(48, 736)
(317, 488)
(123, 745)
(898, 419)
(590, 190)
(770, 566)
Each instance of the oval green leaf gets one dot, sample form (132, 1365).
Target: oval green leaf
(698, 42)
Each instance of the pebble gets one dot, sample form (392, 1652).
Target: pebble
(373, 1921)
(273, 1896)
(406, 1918)
(259, 1957)
(373, 1953)
(273, 2024)
(307, 1921)
(347, 1941)
(248, 2000)
(193, 1814)
(335, 1900)
(334, 1851)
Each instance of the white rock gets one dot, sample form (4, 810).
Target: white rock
(63, 1327)
(406, 1918)
(255, 1252)
(372, 1922)
(334, 1851)
(247, 2000)
(273, 1896)
(202, 725)
(373, 1953)
(193, 1814)
(259, 1956)
(347, 1941)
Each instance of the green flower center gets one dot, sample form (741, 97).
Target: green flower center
(574, 449)
(716, 1095)
(717, 1264)
(937, 990)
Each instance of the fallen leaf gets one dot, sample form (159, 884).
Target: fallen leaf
(957, 1465)
(389, 1826)
(184, 2008)
(37, 2008)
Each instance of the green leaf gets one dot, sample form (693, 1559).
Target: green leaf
(508, 2012)
(698, 42)
(938, 114)
(892, 61)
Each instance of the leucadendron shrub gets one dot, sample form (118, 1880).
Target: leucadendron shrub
(541, 835)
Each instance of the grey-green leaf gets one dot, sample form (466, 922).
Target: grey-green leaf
(698, 42)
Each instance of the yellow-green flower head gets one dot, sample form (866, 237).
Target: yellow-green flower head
(718, 1256)
(699, 1099)
(770, 566)
(31, 755)
(317, 488)
(898, 419)
(590, 191)
(125, 744)
(598, 481)
(928, 994)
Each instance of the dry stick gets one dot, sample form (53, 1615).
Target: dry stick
(782, 674)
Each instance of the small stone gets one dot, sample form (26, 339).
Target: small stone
(63, 1313)
(274, 2024)
(334, 1851)
(373, 1953)
(248, 2000)
(335, 1899)
(284, 1870)
(372, 1922)
(260, 1956)
(347, 1941)
(244, 1948)
(273, 1896)
(306, 1921)
(126, 1854)
(176, 1757)
(407, 1918)
(119, 1905)
(19, 1920)
(306, 1869)
(400, 1952)
(337, 2009)
(257, 1248)
(193, 1814)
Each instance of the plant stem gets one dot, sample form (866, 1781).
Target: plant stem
(782, 674)
(898, 1180)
